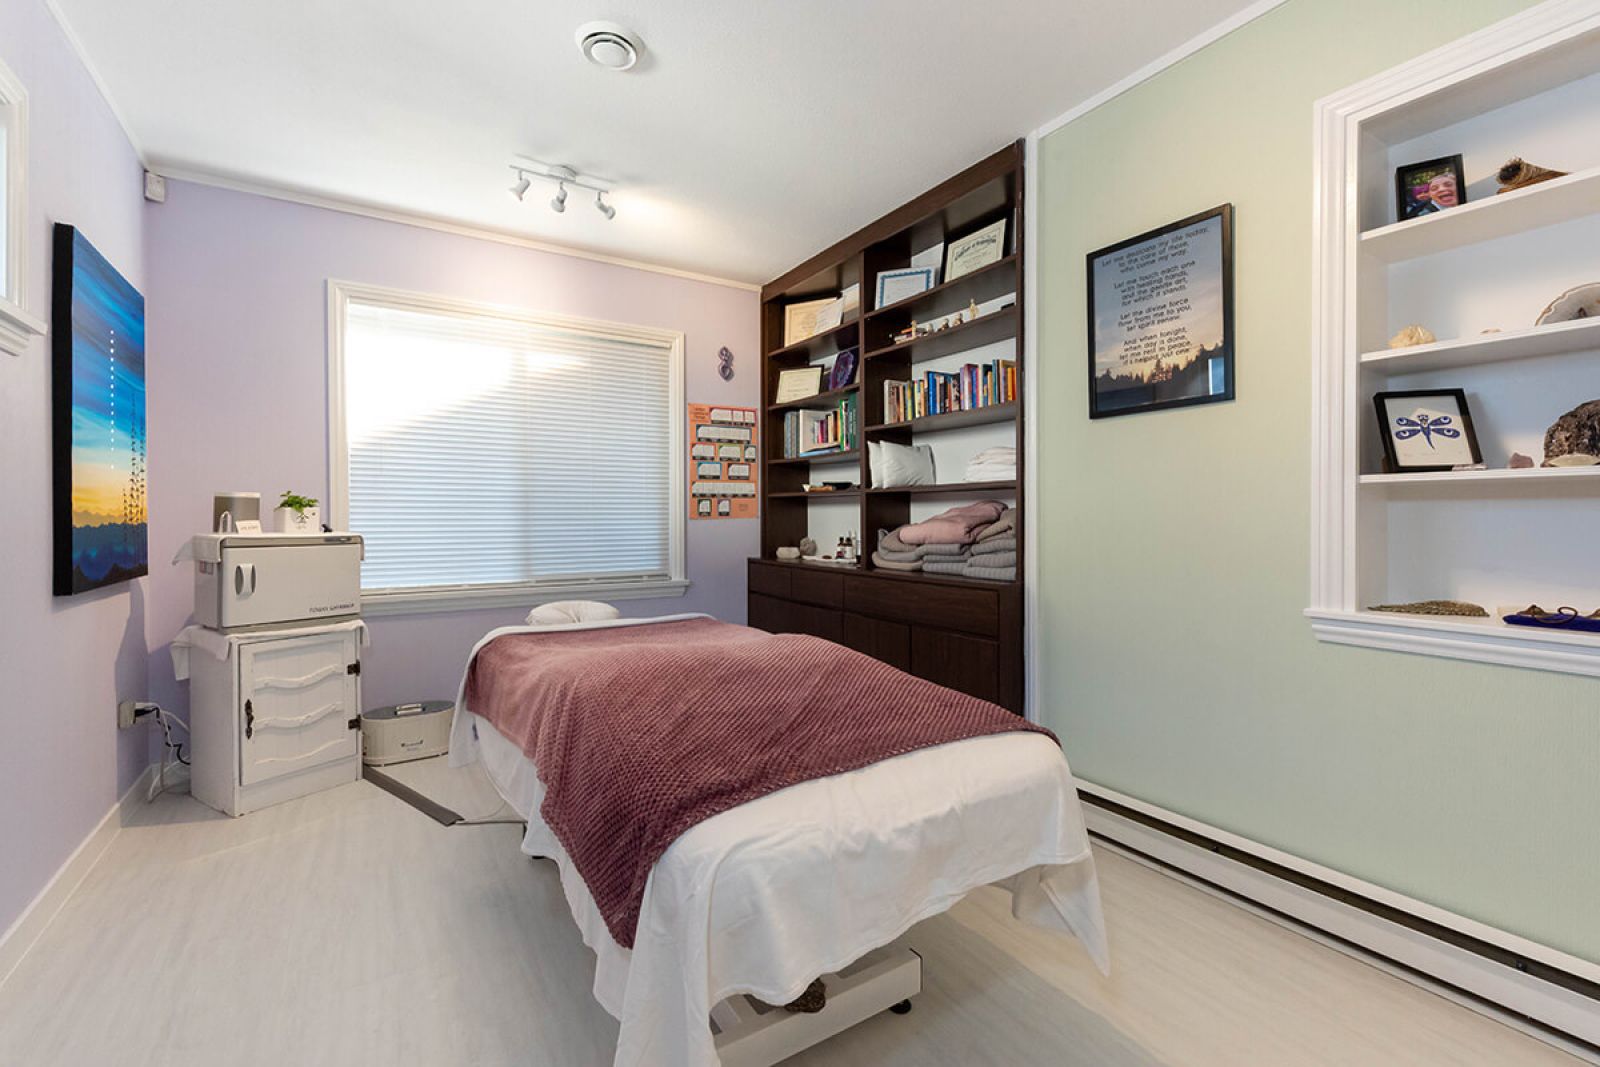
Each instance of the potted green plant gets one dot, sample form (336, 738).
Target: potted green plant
(297, 514)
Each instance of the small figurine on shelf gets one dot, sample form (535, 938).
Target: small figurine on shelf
(972, 310)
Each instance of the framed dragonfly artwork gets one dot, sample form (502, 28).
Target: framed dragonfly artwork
(1426, 430)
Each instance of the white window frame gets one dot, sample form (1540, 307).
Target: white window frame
(17, 327)
(500, 595)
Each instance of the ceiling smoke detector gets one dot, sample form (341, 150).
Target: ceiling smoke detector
(605, 44)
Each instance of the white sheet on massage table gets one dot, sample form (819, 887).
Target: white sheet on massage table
(765, 897)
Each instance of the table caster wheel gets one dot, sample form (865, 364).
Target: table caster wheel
(902, 1008)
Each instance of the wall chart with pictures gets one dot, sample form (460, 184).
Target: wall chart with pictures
(99, 430)
(724, 463)
(1161, 317)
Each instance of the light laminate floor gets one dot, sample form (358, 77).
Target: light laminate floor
(347, 928)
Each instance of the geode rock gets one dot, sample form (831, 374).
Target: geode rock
(1575, 433)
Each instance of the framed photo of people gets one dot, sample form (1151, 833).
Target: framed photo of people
(1161, 317)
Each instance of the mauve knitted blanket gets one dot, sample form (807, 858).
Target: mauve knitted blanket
(639, 733)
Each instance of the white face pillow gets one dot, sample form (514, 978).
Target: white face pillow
(566, 612)
(894, 465)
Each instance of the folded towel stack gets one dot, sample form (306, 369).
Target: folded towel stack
(998, 464)
(972, 541)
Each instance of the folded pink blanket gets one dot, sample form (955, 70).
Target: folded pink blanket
(956, 526)
(641, 732)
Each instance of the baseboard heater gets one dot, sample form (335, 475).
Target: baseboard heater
(1546, 992)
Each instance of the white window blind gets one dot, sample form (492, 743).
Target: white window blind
(490, 449)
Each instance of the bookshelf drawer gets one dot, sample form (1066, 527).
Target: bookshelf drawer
(769, 580)
(824, 590)
(767, 613)
(973, 611)
(886, 641)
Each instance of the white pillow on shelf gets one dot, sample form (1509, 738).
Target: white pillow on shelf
(566, 612)
(893, 465)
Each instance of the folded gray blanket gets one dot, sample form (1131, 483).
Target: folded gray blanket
(956, 569)
(1005, 524)
(878, 560)
(995, 545)
(991, 574)
(894, 548)
(994, 561)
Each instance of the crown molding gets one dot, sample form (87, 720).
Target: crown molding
(76, 44)
(1150, 70)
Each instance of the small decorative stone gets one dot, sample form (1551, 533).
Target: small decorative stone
(1519, 462)
(1412, 335)
(808, 547)
(1434, 607)
(788, 552)
(1492, 329)
(1575, 434)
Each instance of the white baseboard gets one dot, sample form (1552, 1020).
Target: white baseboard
(1432, 961)
(37, 916)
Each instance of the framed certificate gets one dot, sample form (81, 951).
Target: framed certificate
(800, 321)
(976, 250)
(897, 285)
(798, 384)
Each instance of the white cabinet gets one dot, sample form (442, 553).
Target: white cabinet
(277, 717)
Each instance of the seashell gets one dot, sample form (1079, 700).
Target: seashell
(1517, 174)
(1519, 462)
(1579, 302)
(1575, 434)
(1412, 335)
(788, 552)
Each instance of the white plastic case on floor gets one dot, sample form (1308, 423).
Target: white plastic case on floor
(406, 732)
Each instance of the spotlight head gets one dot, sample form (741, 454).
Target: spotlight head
(604, 208)
(519, 189)
(559, 204)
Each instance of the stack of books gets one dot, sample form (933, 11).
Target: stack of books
(973, 386)
(814, 432)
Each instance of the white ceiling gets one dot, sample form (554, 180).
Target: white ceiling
(755, 133)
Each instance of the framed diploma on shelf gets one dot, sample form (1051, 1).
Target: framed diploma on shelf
(975, 251)
(805, 319)
(798, 384)
(897, 285)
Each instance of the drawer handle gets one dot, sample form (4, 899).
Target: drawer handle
(249, 720)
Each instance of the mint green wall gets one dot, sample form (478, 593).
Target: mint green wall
(1174, 546)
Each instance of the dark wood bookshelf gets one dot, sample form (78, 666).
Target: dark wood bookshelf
(961, 632)
(952, 420)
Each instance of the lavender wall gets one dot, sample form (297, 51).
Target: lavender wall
(65, 662)
(239, 395)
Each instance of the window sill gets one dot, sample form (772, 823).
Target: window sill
(481, 598)
(17, 328)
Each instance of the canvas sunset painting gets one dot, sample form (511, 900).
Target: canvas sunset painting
(98, 348)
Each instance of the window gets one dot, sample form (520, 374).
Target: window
(17, 327)
(488, 455)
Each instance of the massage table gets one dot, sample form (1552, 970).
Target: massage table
(812, 880)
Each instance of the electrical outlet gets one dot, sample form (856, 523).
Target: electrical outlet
(126, 714)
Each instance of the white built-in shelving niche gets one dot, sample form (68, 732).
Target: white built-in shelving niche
(1529, 87)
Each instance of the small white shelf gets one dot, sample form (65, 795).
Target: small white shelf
(1533, 479)
(1479, 640)
(1545, 204)
(1582, 335)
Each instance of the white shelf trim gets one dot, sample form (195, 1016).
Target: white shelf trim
(1581, 335)
(1507, 54)
(1546, 204)
(1485, 641)
(1542, 476)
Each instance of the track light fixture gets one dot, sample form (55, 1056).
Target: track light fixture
(527, 169)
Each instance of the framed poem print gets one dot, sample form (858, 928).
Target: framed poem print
(1161, 317)
(98, 412)
(1426, 430)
